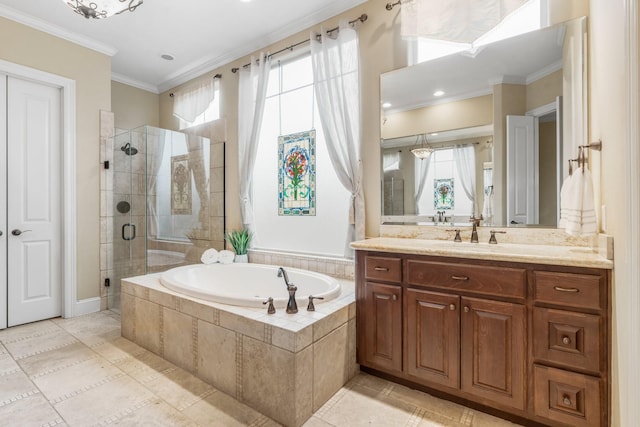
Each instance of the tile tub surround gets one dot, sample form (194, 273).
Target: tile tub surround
(336, 267)
(285, 366)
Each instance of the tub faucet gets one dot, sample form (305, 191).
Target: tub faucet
(292, 306)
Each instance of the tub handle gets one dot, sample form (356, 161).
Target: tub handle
(312, 307)
(271, 309)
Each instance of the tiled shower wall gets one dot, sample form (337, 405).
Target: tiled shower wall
(124, 182)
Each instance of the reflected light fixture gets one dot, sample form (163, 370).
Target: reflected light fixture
(100, 9)
(438, 93)
(423, 151)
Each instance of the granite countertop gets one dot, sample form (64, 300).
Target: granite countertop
(575, 256)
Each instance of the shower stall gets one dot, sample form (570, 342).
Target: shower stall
(165, 203)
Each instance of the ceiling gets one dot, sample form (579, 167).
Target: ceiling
(516, 60)
(201, 34)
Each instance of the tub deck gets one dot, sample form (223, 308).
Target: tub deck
(283, 365)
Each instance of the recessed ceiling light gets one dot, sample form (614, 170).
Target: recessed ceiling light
(167, 56)
(434, 134)
(438, 93)
(386, 104)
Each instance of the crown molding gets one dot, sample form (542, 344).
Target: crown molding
(198, 68)
(54, 30)
(120, 78)
(544, 72)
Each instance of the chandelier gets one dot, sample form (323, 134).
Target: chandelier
(422, 152)
(100, 9)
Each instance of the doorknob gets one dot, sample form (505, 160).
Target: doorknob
(17, 232)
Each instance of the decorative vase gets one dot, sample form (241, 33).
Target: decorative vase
(241, 258)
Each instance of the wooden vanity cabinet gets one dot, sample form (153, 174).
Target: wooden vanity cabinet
(527, 340)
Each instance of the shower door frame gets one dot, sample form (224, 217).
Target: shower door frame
(68, 223)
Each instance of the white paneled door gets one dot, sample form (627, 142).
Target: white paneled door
(32, 231)
(522, 170)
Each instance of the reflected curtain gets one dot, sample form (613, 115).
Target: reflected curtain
(421, 172)
(461, 21)
(199, 166)
(390, 161)
(155, 154)
(337, 88)
(190, 102)
(465, 158)
(252, 92)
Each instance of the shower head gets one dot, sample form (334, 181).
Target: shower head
(129, 150)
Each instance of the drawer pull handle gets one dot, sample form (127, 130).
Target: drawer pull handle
(461, 278)
(561, 289)
(566, 340)
(466, 309)
(381, 269)
(452, 307)
(394, 297)
(566, 400)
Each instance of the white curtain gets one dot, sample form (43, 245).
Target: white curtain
(155, 154)
(192, 101)
(461, 21)
(421, 172)
(390, 161)
(465, 158)
(337, 88)
(252, 92)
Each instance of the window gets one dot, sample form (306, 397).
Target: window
(289, 108)
(210, 114)
(443, 171)
(531, 16)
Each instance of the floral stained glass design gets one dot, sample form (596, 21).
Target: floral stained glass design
(181, 200)
(297, 174)
(443, 197)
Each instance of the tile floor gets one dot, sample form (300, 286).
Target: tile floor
(81, 372)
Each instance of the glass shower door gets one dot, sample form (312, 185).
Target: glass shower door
(127, 257)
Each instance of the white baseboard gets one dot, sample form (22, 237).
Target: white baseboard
(86, 306)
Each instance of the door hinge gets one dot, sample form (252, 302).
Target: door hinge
(107, 282)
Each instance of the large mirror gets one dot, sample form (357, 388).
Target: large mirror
(500, 123)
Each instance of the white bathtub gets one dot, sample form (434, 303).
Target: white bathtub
(248, 285)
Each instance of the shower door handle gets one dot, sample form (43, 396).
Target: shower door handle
(131, 235)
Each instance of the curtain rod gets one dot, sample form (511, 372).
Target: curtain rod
(217, 76)
(360, 18)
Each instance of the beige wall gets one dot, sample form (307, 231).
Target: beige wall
(544, 91)
(92, 73)
(441, 117)
(608, 121)
(134, 107)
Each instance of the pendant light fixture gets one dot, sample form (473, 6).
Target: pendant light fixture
(422, 152)
(100, 9)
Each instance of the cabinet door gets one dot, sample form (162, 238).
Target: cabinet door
(433, 337)
(382, 324)
(493, 351)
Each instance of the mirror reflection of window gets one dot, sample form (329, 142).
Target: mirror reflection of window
(442, 167)
(530, 17)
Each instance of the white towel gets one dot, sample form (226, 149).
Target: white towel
(210, 256)
(577, 208)
(226, 257)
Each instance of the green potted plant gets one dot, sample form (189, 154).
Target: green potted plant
(240, 241)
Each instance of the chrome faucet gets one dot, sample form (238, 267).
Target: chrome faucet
(474, 232)
(292, 306)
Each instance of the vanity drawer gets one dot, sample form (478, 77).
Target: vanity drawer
(566, 397)
(568, 289)
(568, 338)
(501, 281)
(388, 269)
